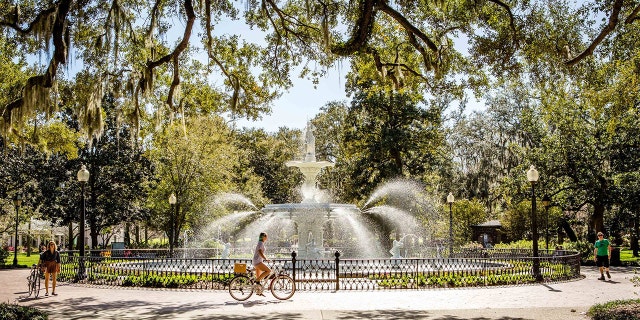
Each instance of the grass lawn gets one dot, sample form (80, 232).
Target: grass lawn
(626, 256)
(23, 260)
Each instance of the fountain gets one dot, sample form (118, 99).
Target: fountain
(309, 216)
(316, 227)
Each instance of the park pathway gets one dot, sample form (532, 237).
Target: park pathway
(565, 300)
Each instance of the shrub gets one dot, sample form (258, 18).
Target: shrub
(616, 310)
(17, 312)
(3, 255)
(585, 249)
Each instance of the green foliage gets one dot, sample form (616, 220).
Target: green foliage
(465, 214)
(193, 164)
(519, 244)
(626, 257)
(170, 281)
(18, 312)
(584, 248)
(264, 155)
(3, 255)
(616, 310)
(387, 136)
(517, 219)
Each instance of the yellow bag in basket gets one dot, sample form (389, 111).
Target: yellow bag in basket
(239, 267)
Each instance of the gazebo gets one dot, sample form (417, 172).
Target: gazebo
(488, 233)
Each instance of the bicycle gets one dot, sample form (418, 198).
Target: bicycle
(33, 281)
(243, 285)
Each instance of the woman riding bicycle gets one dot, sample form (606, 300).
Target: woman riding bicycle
(259, 257)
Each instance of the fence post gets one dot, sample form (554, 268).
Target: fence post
(337, 254)
(485, 257)
(293, 265)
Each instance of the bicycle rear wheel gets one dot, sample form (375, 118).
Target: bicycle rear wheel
(32, 283)
(36, 285)
(241, 288)
(283, 287)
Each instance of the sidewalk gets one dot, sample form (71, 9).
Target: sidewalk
(567, 300)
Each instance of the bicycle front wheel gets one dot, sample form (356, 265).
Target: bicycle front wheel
(31, 281)
(241, 288)
(283, 287)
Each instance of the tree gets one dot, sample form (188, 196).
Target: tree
(193, 165)
(387, 137)
(135, 58)
(467, 213)
(267, 155)
(119, 173)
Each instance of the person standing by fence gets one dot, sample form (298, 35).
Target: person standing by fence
(50, 263)
(602, 255)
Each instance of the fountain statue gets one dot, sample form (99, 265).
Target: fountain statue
(310, 167)
(226, 250)
(397, 247)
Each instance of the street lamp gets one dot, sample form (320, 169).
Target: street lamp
(532, 176)
(546, 201)
(172, 202)
(450, 200)
(83, 177)
(17, 202)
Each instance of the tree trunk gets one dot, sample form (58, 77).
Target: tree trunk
(71, 237)
(634, 237)
(127, 235)
(597, 220)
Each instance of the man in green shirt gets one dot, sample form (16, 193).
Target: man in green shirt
(602, 254)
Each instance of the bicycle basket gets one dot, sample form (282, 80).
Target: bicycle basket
(239, 268)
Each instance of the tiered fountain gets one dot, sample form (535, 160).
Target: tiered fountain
(311, 214)
(316, 227)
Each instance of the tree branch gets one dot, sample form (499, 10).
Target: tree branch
(384, 7)
(361, 30)
(511, 18)
(60, 38)
(42, 15)
(611, 25)
(175, 54)
(633, 16)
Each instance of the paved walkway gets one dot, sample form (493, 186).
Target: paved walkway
(567, 301)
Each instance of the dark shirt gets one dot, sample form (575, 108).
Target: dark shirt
(48, 256)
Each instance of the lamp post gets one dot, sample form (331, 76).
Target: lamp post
(532, 176)
(29, 238)
(172, 203)
(546, 201)
(17, 202)
(450, 200)
(83, 177)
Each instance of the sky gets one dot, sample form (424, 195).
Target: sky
(302, 102)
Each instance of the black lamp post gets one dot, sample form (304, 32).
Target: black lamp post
(172, 202)
(450, 200)
(83, 177)
(17, 202)
(532, 176)
(546, 201)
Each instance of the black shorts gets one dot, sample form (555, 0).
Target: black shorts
(602, 261)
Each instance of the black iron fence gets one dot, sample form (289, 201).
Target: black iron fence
(460, 268)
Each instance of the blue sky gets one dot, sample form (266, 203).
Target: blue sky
(301, 102)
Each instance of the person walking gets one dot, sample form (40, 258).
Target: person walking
(259, 257)
(50, 262)
(602, 255)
